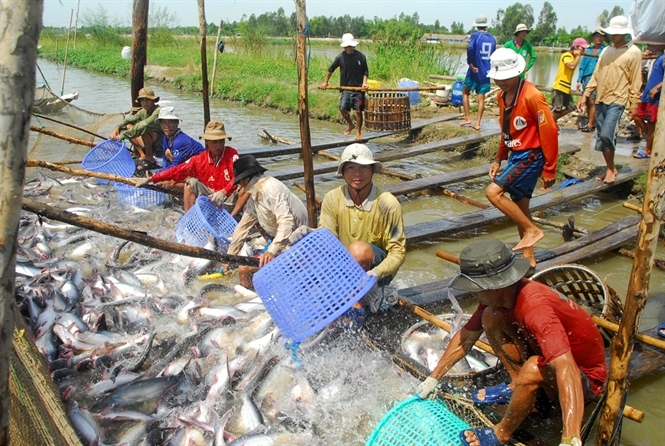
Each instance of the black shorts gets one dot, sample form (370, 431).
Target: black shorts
(562, 101)
(352, 100)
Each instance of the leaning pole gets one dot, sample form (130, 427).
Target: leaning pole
(139, 46)
(21, 25)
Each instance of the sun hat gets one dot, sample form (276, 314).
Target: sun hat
(521, 27)
(348, 40)
(214, 131)
(488, 265)
(505, 64)
(167, 113)
(147, 93)
(245, 166)
(598, 31)
(618, 25)
(481, 21)
(359, 154)
(580, 41)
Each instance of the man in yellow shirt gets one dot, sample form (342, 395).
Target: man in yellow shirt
(562, 99)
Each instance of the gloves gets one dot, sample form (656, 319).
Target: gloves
(426, 388)
(142, 181)
(299, 234)
(218, 198)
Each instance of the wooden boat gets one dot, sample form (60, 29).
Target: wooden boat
(46, 102)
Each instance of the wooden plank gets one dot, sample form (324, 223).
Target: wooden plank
(268, 152)
(425, 231)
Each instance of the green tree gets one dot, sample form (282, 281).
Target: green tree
(506, 21)
(545, 29)
(603, 20)
(457, 28)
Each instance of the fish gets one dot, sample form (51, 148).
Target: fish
(135, 392)
(246, 416)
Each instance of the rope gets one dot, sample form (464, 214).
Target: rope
(293, 346)
(309, 43)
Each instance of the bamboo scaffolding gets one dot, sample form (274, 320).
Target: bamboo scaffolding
(70, 139)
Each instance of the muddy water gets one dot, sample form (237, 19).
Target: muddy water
(110, 95)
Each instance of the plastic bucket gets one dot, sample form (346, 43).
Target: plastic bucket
(371, 83)
(202, 221)
(140, 197)
(311, 284)
(414, 96)
(110, 157)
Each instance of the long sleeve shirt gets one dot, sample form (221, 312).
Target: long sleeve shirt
(617, 78)
(275, 208)
(378, 220)
(142, 122)
(182, 147)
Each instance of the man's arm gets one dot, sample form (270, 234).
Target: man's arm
(571, 395)
(245, 225)
(460, 344)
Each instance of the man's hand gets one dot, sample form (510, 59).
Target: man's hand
(579, 86)
(578, 51)
(426, 388)
(494, 168)
(581, 104)
(265, 258)
(218, 198)
(323, 86)
(168, 155)
(632, 113)
(299, 234)
(142, 182)
(548, 182)
(115, 134)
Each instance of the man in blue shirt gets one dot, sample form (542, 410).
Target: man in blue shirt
(481, 46)
(647, 109)
(587, 66)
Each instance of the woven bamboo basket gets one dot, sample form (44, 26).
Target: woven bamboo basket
(387, 111)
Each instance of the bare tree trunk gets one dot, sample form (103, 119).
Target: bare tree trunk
(214, 64)
(139, 46)
(203, 30)
(21, 25)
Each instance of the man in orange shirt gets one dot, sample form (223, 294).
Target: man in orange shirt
(530, 135)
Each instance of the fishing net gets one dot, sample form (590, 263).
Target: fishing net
(51, 147)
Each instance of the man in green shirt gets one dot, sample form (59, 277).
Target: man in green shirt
(522, 47)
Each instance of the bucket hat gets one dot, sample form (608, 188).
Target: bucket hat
(359, 154)
(618, 25)
(488, 265)
(505, 64)
(580, 41)
(521, 27)
(147, 93)
(348, 40)
(245, 166)
(167, 113)
(481, 21)
(215, 130)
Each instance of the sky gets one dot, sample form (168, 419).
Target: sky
(570, 13)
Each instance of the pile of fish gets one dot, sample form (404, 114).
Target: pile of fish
(145, 352)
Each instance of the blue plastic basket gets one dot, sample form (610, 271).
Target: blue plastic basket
(134, 196)
(418, 422)
(202, 220)
(110, 157)
(311, 284)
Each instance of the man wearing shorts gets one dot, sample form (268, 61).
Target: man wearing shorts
(353, 73)
(530, 136)
(481, 46)
(647, 110)
(617, 81)
(562, 99)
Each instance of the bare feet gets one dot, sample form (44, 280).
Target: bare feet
(349, 130)
(530, 238)
(610, 177)
(465, 123)
(476, 127)
(359, 137)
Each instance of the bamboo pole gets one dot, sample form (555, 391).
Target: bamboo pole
(632, 207)
(302, 188)
(76, 23)
(64, 71)
(139, 46)
(303, 111)
(405, 89)
(214, 63)
(21, 25)
(658, 263)
(203, 30)
(638, 286)
(69, 125)
(82, 142)
(388, 172)
(133, 236)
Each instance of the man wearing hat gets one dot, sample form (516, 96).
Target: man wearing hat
(587, 67)
(562, 98)
(481, 46)
(178, 146)
(521, 46)
(545, 341)
(143, 131)
(271, 205)
(617, 81)
(529, 136)
(353, 73)
(209, 173)
(368, 221)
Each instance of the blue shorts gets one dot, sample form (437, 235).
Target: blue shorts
(379, 256)
(607, 123)
(476, 87)
(352, 100)
(520, 176)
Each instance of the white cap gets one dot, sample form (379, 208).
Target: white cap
(505, 64)
(167, 113)
(481, 22)
(348, 40)
(359, 154)
(618, 26)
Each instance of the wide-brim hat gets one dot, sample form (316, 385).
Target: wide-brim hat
(618, 26)
(481, 21)
(147, 93)
(348, 40)
(505, 64)
(245, 166)
(489, 265)
(167, 113)
(521, 27)
(359, 154)
(215, 131)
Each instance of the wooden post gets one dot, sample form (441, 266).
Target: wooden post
(638, 285)
(214, 63)
(64, 71)
(303, 111)
(76, 23)
(203, 29)
(139, 46)
(22, 23)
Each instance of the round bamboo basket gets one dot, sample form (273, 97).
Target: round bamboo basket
(387, 111)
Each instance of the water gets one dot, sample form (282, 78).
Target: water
(108, 94)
